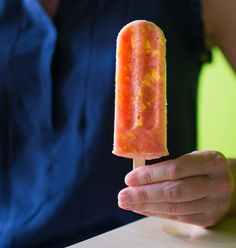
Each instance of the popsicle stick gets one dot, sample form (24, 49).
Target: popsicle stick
(137, 162)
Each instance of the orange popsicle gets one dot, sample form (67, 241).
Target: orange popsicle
(140, 101)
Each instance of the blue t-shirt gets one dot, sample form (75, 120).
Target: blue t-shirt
(58, 179)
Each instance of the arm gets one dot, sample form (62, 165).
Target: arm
(220, 25)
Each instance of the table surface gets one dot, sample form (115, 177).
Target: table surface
(160, 233)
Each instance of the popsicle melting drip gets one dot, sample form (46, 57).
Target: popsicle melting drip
(140, 105)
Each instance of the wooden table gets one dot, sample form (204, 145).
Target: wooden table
(160, 233)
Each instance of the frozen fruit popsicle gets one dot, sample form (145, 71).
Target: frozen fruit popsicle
(140, 100)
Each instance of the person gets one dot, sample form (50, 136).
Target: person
(59, 181)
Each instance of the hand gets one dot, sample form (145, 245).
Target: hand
(195, 188)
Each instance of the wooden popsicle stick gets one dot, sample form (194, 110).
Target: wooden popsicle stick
(137, 162)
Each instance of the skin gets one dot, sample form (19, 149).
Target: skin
(50, 7)
(219, 21)
(199, 187)
(196, 188)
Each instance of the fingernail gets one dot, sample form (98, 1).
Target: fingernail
(124, 197)
(131, 179)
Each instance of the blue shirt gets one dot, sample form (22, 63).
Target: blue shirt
(58, 179)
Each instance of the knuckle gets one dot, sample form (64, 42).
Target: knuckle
(174, 172)
(148, 176)
(142, 206)
(227, 185)
(172, 208)
(142, 195)
(217, 158)
(217, 155)
(174, 191)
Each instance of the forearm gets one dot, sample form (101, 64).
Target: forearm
(219, 21)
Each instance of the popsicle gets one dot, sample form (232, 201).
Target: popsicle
(140, 128)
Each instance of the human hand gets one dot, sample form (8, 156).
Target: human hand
(195, 188)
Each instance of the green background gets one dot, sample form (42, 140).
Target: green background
(217, 107)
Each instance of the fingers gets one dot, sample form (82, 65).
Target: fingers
(200, 219)
(209, 216)
(204, 212)
(174, 208)
(187, 189)
(184, 200)
(198, 163)
(195, 188)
